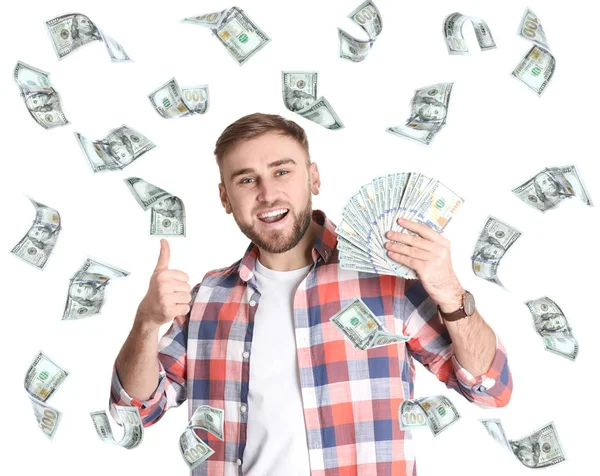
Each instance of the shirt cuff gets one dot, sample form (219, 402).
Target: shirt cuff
(483, 383)
(120, 397)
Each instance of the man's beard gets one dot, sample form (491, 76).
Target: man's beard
(277, 242)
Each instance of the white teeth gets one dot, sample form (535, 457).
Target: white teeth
(273, 213)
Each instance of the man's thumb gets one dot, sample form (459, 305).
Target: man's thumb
(164, 256)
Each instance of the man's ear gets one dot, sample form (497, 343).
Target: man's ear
(224, 198)
(315, 178)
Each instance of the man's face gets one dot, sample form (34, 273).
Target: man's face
(492, 252)
(82, 291)
(555, 323)
(84, 25)
(120, 151)
(300, 100)
(546, 185)
(269, 174)
(527, 457)
(37, 101)
(40, 233)
(431, 112)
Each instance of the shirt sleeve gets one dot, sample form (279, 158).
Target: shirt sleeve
(431, 346)
(171, 390)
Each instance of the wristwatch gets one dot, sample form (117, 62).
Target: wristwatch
(466, 309)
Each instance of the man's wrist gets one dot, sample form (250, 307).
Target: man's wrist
(453, 302)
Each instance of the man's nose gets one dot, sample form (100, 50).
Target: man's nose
(267, 191)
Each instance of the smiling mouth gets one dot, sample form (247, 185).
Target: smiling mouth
(274, 216)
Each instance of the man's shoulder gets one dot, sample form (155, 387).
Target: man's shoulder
(227, 276)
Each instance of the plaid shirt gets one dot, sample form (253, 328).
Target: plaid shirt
(350, 397)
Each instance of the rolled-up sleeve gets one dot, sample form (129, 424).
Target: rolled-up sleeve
(171, 390)
(430, 344)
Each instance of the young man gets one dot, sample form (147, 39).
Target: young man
(257, 342)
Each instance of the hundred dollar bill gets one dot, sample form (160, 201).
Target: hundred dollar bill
(47, 417)
(131, 422)
(537, 67)
(119, 148)
(362, 328)
(552, 325)
(87, 288)
(366, 16)
(208, 418)
(72, 31)
(493, 242)
(168, 212)
(193, 449)
(169, 100)
(548, 188)
(540, 449)
(436, 412)
(429, 108)
(36, 246)
(42, 379)
(240, 36)
(455, 41)
(300, 96)
(41, 99)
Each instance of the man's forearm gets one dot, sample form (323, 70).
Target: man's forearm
(473, 340)
(137, 362)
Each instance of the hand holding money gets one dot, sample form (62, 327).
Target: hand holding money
(428, 253)
(169, 293)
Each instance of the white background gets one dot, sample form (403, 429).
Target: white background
(499, 133)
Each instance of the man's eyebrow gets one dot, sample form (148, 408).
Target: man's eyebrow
(272, 165)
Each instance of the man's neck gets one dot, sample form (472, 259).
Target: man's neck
(296, 258)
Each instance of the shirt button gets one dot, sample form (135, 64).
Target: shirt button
(245, 354)
(252, 303)
(239, 462)
(243, 408)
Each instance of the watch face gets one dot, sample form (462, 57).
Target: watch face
(469, 304)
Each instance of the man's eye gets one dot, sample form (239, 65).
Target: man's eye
(246, 180)
(283, 171)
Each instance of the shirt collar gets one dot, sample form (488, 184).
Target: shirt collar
(323, 246)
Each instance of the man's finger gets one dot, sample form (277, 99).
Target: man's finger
(176, 274)
(164, 256)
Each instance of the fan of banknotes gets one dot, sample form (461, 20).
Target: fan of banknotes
(373, 211)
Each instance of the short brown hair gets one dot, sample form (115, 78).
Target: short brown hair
(254, 125)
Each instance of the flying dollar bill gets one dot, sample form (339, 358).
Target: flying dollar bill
(87, 289)
(240, 36)
(455, 41)
(72, 31)
(131, 422)
(540, 449)
(119, 148)
(537, 67)
(193, 449)
(42, 380)
(373, 211)
(167, 211)
(362, 328)
(36, 246)
(42, 100)
(208, 418)
(548, 188)
(169, 100)
(366, 16)
(300, 96)
(493, 242)
(437, 413)
(428, 111)
(552, 325)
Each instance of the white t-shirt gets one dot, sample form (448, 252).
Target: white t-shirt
(276, 432)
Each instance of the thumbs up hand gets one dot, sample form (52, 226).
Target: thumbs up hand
(169, 293)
